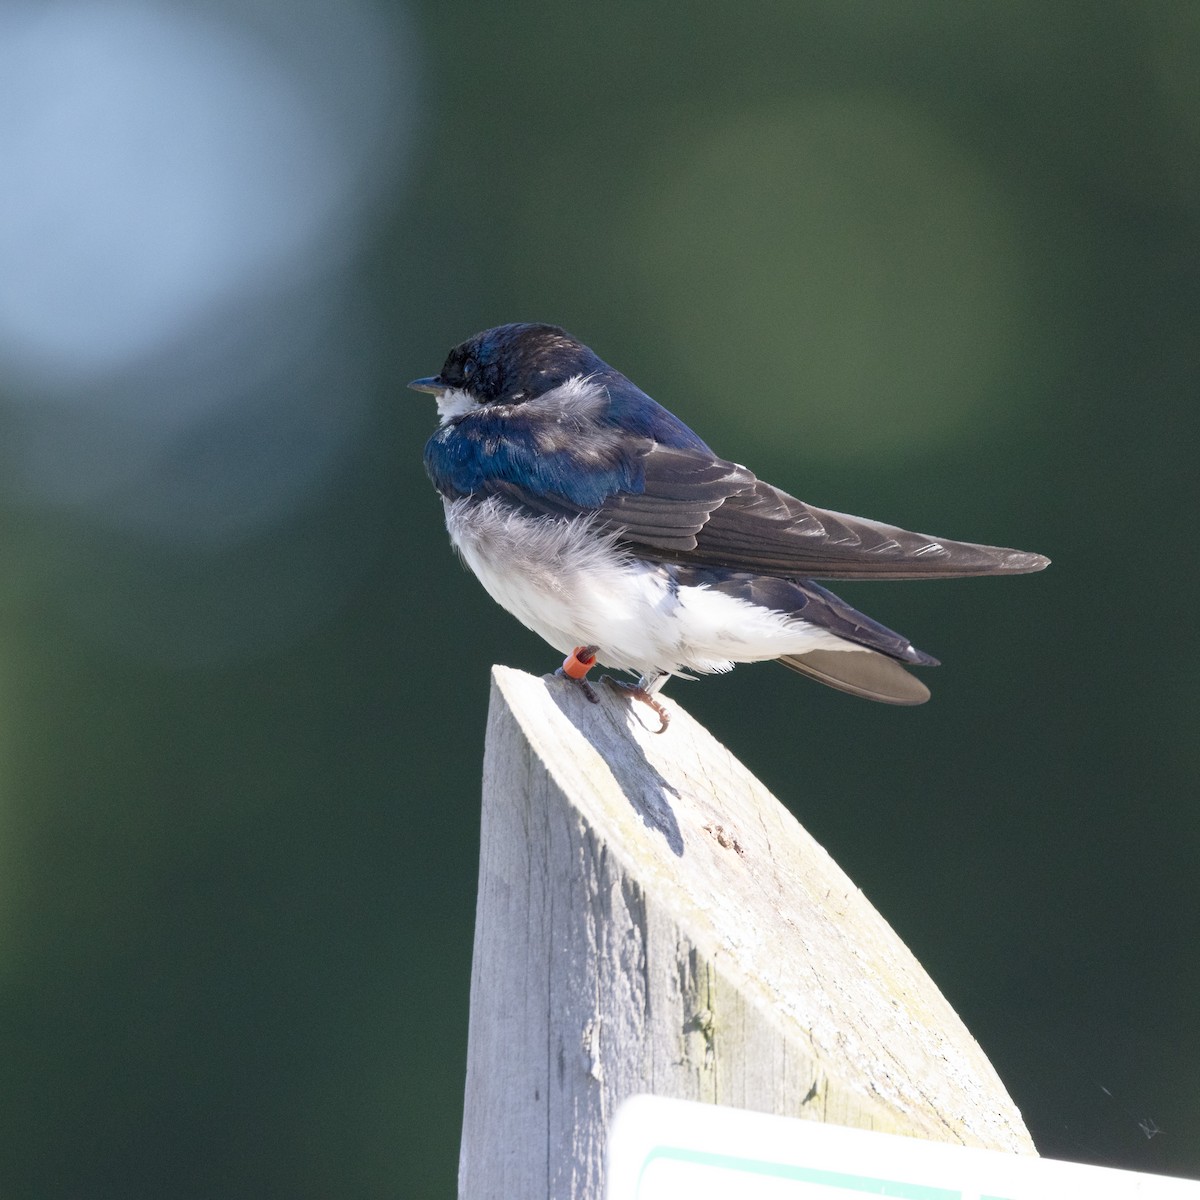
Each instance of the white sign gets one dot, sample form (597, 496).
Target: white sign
(667, 1149)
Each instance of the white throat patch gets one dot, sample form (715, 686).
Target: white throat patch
(577, 397)
(455, 402)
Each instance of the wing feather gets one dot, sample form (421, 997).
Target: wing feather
(683, 504)
(702, 510)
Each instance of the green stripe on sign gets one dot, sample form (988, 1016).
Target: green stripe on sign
(863, 1184)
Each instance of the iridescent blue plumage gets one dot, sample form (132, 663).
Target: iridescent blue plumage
(511, 442)
(492, 453)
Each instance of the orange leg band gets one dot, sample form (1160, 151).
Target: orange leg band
(579, 662)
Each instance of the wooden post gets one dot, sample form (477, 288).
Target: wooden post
(651, 919)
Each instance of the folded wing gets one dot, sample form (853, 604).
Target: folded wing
(702, 510)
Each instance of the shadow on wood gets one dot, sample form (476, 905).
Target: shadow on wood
(651, 919)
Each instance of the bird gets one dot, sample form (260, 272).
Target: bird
(607, 526)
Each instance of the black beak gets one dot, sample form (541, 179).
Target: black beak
(431, 383)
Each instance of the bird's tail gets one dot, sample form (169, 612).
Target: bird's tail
(860, 672)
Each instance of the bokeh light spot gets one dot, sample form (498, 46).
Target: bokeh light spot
(186, 193)
(154, 160)
(849, 259)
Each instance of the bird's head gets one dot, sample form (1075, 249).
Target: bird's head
(509, 364)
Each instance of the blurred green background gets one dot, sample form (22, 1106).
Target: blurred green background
(935, 264)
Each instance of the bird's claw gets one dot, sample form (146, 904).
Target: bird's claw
(582, 659)
(636, 692)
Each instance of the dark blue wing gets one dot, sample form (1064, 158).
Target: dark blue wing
(734, 520)
(642, 471)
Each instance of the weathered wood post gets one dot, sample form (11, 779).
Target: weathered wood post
(651, 919)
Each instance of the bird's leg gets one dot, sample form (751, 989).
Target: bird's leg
(576, 666)
(644, 691)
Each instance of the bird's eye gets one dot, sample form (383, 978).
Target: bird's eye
(468, 368)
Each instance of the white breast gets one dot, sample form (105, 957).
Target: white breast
(571, 584)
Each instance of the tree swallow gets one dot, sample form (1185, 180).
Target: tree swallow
(604, 524)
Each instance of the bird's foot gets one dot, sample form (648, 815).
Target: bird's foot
(575, 668)
(635, 691)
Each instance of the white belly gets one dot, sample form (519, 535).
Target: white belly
(573, 587)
